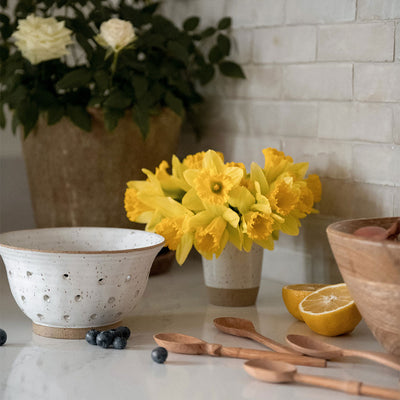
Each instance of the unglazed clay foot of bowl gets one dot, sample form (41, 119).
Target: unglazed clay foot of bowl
(69, 280)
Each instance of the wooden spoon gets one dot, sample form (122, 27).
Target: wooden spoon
(279, 372)
(184, 344)
(317, 348)
(245, 328)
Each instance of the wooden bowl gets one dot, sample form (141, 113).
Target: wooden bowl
(371, 271)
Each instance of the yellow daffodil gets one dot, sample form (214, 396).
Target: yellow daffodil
(211, 239)
(136, 210)
(177, 235)
(195, 161)
(314, 184)
(204, 202)
(215, 180)
(275, 163)
(259, 228)
(284, 196)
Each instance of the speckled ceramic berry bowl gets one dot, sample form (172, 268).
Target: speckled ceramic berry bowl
(68, 280)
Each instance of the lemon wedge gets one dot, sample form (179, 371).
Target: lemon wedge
(292, 296)
(330, 311)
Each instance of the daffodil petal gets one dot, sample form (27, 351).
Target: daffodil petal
(290, 226)
(257, 175)
(231, 216)
(241, 198)
(184, 247)
(192, 201)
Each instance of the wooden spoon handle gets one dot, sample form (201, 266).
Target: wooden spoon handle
(271, 344)
(379, 392)
(351, 387)
(381, 358)
(250, 354)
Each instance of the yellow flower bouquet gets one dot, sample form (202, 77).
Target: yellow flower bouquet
(205, 202)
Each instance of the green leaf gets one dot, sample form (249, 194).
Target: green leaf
(224, 44)
(231, 69)
(111, 118)
(54, 114)
(118, 99)
(44, 98)
(191, 23)
(15, 123)
(2, 117)
(140, 85)
(96, 101)
(225, 23)
(206, 74)
(174, 103)
(102, 79)
(141, 118)
(215, 55)
(80, 117)
(17, 95)
(27, 113)
(77, 78)
(208, 32)
(178, 51)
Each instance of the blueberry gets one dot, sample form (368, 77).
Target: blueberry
(159, 355)
(91, 336)
(3, 337)
(104, 339)
(119, 343)
(123, 331)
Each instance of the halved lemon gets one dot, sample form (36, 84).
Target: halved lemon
(330, 311)
(292, 296)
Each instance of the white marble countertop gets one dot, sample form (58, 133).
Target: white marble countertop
(34, 367)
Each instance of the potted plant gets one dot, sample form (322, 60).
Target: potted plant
(227, 213)
(100, 91)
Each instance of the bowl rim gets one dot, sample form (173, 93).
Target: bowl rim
(331, 229)
(78, 252)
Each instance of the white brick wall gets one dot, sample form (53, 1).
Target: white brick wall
(355, 121)
(356, 42)
(319, 11)
(285, 44)
(318, 81)
(377, 82)
(323, 85)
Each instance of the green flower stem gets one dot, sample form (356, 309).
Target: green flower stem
(114, 64)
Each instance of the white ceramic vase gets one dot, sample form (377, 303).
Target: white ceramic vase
(233, 279)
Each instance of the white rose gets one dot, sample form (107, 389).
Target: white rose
(42, 39)
(116, 33)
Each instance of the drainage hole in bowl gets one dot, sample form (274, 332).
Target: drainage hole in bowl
(93, 317)
(101, 281)
(66, 317)
(78, 297)
(46, 298)
(23, 298)
(28, 273)
(111, 300)
(40, 316)
(65, 276)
